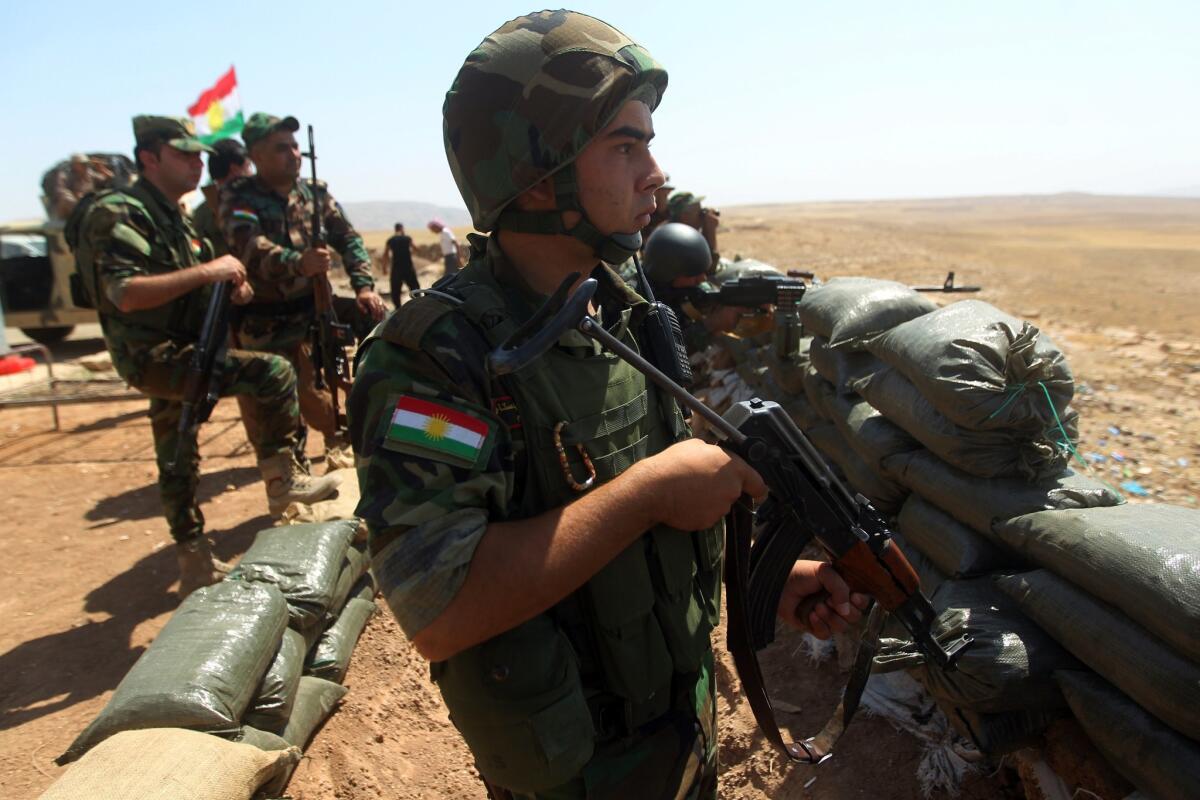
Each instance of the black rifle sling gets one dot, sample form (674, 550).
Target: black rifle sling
(813, 750)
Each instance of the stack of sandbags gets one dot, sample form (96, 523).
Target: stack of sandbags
(1120, 589)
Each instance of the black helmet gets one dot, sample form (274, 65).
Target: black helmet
(675, 250)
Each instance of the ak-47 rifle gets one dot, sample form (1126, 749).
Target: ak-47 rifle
(782, 292)
(329, 337)
(806, 501)
(200, 389)
(948, 286)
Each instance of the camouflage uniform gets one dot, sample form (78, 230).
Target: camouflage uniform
(204, 220)
(139, 232)
(566, 705)
(269, 232)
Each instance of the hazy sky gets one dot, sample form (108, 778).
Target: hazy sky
(767, 101)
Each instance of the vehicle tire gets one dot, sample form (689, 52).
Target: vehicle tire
(48, 335)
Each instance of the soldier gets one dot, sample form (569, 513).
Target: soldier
(81, 178)
(227, 162)
(687, 208)
(548, 539)
(267, 219)
(149, 273)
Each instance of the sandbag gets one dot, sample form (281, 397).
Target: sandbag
(331, 657)
(980, 367)
(315, 701)
(353, 567)
(997, 734)
(1144, 559)
(365, 588)
(979, 502)
(272, 703)
(788, 374)
(817, 390)
(1153, 757)
(841, 367)
(870, 433)
(1032, 455)
(261, 739)
(202, 669)
(1161, 680)
(847, 311)
(304, 561)
(885, 494)
(956, 549)
(172, 764)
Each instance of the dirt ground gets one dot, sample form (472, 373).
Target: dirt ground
(88, 577)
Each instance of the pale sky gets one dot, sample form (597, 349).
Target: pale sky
(767, 102)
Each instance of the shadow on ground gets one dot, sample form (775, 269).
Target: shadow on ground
(143, 502)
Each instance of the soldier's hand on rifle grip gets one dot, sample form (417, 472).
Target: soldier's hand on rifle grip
(242, 294)
(314, 261)
(692, 485)
(818, 600)
(225, 268)
(724, 318)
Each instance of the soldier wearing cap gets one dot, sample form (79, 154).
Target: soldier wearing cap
(267, 220)
(79, 179)
(150, 274)
(688, 208)
(550, 539)
(227, 162)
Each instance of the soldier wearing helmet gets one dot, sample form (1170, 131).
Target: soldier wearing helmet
(550, 539)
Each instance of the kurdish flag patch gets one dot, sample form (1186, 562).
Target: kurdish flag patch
(435, 427)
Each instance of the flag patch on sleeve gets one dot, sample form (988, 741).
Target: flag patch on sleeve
(436, 428)
(245, 215)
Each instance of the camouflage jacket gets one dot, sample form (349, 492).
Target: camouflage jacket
(204, 220)
(268, 232)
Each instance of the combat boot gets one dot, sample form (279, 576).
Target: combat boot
(287, 483)
(338, 453)
(197, 567)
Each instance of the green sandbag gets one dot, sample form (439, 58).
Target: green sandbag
(353, 567)
(788, 375)
(1144, 559)
(885, 494)
(847, 311)
(986, 454)
(315, 701)
(331, 657)
(1009, 664)
(202, 669)
(1153, 757)
(817, 390)
(304, 561)
(956, 549)
(841, 367)
(870, 433)
(1161, 680)
(980, 367)
(980, 502)
(273, 702)
(261, 739)
(997, 734)
(365, 588)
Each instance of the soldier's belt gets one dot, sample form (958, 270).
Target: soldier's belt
(300, 305)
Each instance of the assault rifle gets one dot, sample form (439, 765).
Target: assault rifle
(948, 286)
(200, 388)
(806, 501)
(753, 292)
(329, 337)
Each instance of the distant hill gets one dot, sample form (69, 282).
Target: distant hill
(1180, 191)
(381, 215)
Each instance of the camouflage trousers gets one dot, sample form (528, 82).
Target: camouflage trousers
(672, 758)
(265, 386)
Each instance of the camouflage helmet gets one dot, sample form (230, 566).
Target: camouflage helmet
(528, 100)
(675, 250)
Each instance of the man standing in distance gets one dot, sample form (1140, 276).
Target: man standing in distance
(399, 250)
(267, 220)
(448, 245)
(551, 539)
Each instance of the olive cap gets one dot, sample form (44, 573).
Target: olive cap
(178, 132)
(261, 125)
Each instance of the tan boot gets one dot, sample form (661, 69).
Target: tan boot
(196, 566)
(287, 483)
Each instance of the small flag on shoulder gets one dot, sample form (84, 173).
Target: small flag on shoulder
(218, 111)
(438, 428)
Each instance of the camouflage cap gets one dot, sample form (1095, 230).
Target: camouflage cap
(531, 96)
(681, 201)
(178, 132)
(261, 125)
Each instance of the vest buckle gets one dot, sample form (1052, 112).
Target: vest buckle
(566, 467)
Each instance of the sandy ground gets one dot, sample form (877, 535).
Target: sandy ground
(88, 576)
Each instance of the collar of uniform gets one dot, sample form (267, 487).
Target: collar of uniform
(258, 184)
(157, 200)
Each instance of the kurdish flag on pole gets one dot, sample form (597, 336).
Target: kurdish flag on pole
(434, 427)
(218, 111)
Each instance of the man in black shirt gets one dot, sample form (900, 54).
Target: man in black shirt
(401, 247)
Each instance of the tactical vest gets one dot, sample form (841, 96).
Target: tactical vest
(533, 702)
(174, 248)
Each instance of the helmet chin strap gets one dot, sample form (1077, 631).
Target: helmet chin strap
(614, 248)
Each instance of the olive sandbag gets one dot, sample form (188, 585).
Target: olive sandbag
(364, 589)
(1006, 732)
(1153, 757)
(980, 367)
(841, 367)
(304, 561)
(331, 657)
(957, 550)
(846, 311)
(980, 502)
(885, 494)
(263, 740)
(273, 702)
(1161, 680)
(817, 390)
(870, 433)
(1031, 455)
(353, 567)
(202, 669)
(315, 701)
(1010, 663)
(788, 374)
(1144, 559)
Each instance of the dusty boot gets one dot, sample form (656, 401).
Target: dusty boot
(338, 453)
(287, 484)
(196, 566)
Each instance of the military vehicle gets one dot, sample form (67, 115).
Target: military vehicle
(35, 289)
